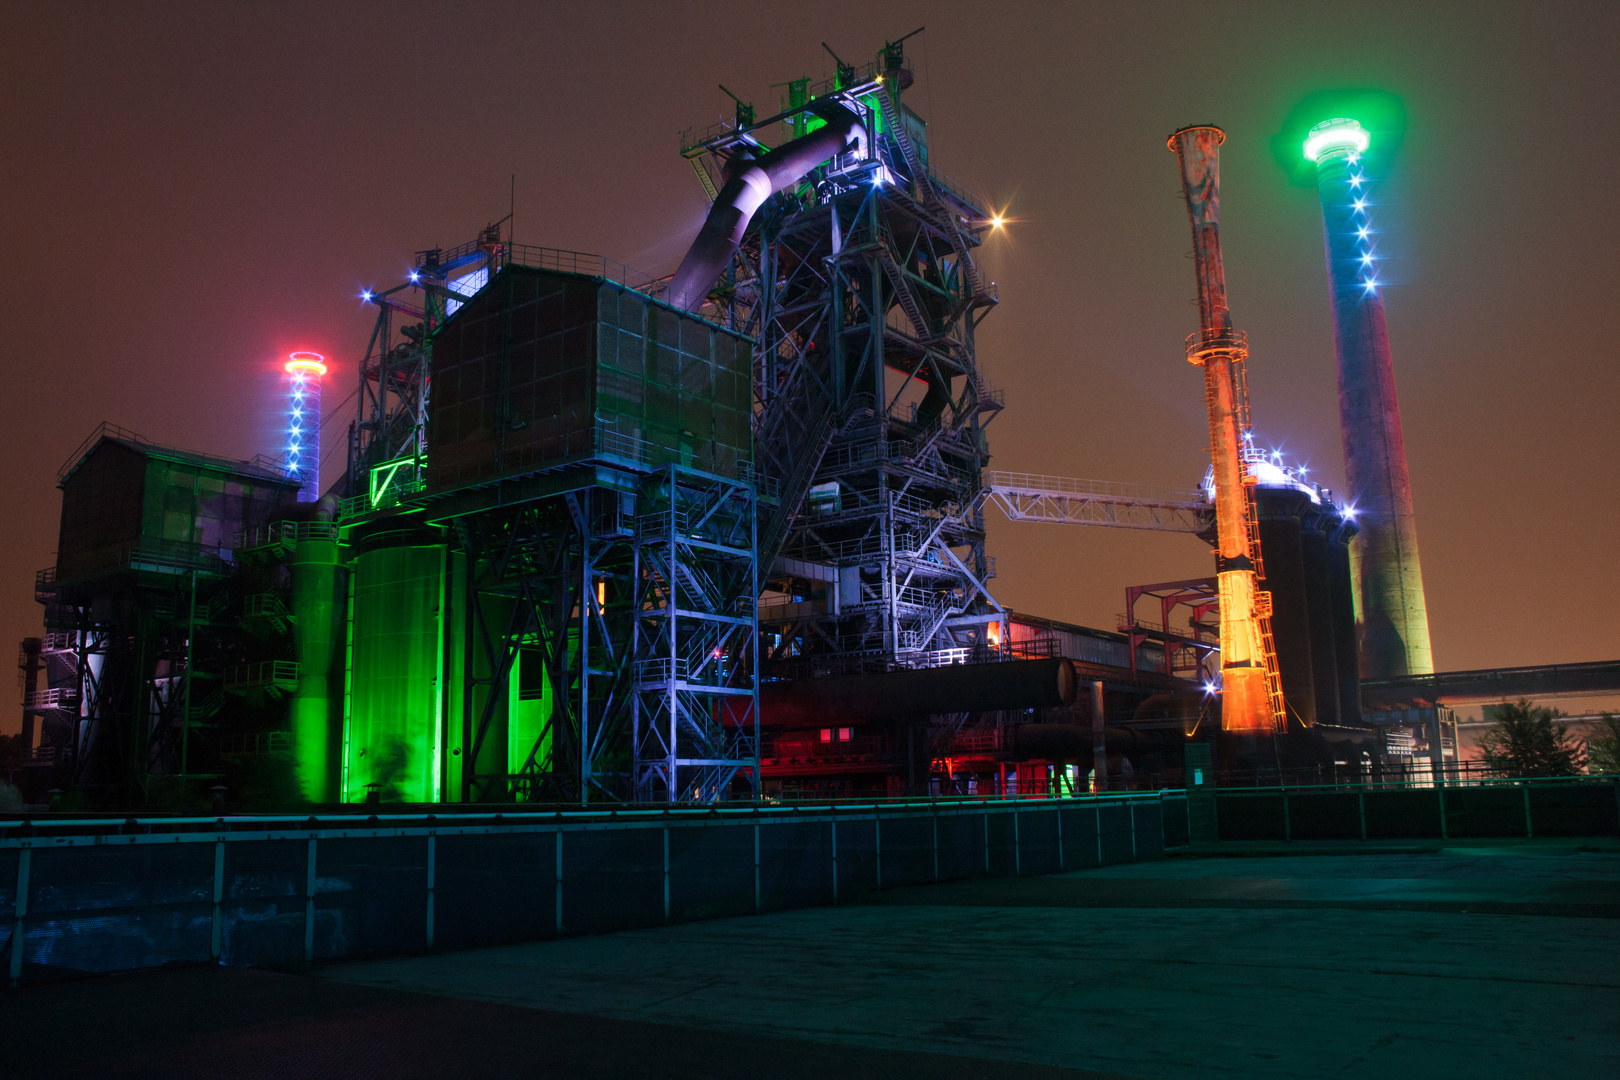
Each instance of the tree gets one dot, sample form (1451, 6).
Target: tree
(1525, 741)
(1603, 749)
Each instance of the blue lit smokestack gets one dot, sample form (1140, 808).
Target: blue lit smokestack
(302, 458)
(1394, 616)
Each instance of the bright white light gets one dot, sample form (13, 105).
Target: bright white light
(1355, 181)
(1362, 232)
(1209, 688)
(414, 275)
(1350, 511)
(1361, 204)
(1337, 134)
(1366, 258)
(366, 296)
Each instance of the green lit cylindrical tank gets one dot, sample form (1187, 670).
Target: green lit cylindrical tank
(394, 735)
(316, 711)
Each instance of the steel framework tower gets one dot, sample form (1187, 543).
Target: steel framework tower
(860, 285)
(1251, 694)
(634, 617)
(695, 635)
(1394, 614)
(387, 440)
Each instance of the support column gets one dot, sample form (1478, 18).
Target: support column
(1099, 741)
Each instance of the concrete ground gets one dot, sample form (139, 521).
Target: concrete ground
(1491, 960)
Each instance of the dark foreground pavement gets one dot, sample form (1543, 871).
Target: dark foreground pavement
(1483, 961)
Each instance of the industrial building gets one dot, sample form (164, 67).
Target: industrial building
(610, 537)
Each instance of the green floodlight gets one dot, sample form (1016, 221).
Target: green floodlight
(1337, 134)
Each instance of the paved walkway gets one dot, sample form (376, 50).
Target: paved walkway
(1480, 961)
(1467, 962)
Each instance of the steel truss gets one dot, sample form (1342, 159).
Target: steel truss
(147, 673)
(1060, 500)
(636, 601)
(696, 713)
(390, 421)
(548, 577)
(870, 409)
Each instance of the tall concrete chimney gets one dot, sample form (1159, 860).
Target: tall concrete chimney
(1394, 617)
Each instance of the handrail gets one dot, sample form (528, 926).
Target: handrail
(366, 816)
(285, 532)
(1426, 782)
(107, 429)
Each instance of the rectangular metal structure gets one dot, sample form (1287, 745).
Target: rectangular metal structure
(541, 366)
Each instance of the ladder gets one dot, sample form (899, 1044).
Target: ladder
(1251, 518)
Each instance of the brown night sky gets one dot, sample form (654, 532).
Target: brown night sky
(193, 190)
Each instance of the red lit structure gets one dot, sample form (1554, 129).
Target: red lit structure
(1251, 696)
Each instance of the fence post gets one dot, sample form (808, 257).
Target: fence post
(1060, 837)
(557, 904)
(216, 942)
(431, 872)
(935, 809)
(1529, 826)
(666, 872)
(835, 859)
(20, 912)
(1441, 792)
(1018, 854)
(309, 906)
(1131, 806)
(877, 844)
(1288, 819)
(757, 904)
(1361, 806)
(1096, 816)
(986, 808)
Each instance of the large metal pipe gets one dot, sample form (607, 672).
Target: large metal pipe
(746, 191)
(396, 653)
(1016, 684)
(1280, 510)
(1099, 739)
(1218, 348)
(1394, 613)
(1344, 623)
(1313, 544)
(316, 709)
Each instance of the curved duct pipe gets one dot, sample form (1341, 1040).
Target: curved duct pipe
(746, 190)
(1071, 743)
(1012, 684)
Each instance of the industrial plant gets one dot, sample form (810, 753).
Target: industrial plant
(607, 537)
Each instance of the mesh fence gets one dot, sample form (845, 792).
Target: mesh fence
(92, 896)
(1569, 808)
